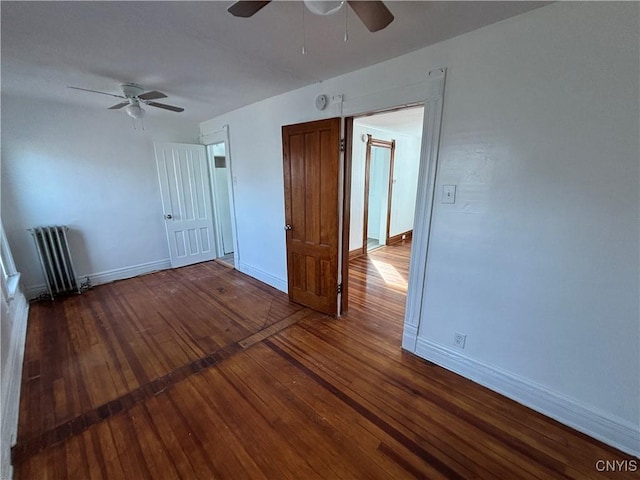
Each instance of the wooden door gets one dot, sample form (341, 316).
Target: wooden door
(186, 199)
(311, 153)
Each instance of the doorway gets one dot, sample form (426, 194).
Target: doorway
(385, 159)
(223, 220)
(384, 168)
(378, 191)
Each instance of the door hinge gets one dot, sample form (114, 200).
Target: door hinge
(342, 144)
(339, 288)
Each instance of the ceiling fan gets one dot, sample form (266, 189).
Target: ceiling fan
(133, 95)
(374, 14)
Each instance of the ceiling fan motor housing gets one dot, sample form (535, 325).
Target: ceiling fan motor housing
(131, 89)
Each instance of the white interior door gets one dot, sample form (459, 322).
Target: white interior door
(186, 199)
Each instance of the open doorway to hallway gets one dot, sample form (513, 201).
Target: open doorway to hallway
(385, 158)
(219, 176)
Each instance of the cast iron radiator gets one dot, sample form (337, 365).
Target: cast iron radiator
(55, 259)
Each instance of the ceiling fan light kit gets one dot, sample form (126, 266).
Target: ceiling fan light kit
(323, 7)
(135, 111)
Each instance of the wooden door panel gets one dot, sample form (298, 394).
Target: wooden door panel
(311, 154)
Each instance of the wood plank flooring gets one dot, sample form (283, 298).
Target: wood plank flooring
(203, 372)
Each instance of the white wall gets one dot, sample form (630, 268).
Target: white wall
(89, 169)
(537, 262)
(405, 174)
(255, 159)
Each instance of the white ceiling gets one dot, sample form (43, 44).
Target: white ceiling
(204, 59)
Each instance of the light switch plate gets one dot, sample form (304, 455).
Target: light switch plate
(448, 194)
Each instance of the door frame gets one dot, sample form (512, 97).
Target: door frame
(429, 93)
(391, 145)
(213, 138)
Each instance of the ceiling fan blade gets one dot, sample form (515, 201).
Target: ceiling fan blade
(374, 14)
(165, 106)
(246, 8)
(119, 105)
(96, 91)
(154, 94)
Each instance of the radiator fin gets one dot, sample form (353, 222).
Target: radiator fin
(55, 259)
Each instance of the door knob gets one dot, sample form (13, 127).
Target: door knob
(168, 216)
(288, 227)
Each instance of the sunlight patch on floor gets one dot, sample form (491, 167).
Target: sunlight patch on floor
(390, 275)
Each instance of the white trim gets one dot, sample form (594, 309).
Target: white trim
(108, 276)
(395, 97)
(409, 337)
(275, 282)
(11, 380)
(128, 272)
(213, 137)
(10, 276)
(10, 286)
(592, 421)
(431, 128)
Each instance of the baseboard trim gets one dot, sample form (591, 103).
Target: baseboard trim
(264, 277)
(398, 238)
(409, 337)
(12, 376)
(358, 252)
(108, 276)
(607, 428)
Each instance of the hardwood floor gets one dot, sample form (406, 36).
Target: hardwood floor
(203, 372)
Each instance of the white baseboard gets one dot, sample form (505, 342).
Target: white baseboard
(605, 427)
(409, 337)
(18, 312)
(265, 277)
(108, 276)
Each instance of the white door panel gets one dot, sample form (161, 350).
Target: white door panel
(186, 199)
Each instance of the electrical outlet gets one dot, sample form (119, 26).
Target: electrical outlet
(459, 340)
